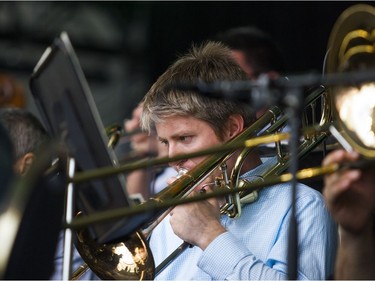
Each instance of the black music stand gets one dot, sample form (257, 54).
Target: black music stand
(64, 100)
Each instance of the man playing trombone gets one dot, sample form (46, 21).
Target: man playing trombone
(254, 245)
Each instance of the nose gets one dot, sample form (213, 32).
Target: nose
(174, 150)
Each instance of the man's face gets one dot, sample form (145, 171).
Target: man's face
(183, 135)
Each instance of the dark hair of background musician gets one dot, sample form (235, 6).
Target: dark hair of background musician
(26, 132)
(260, 52)
(6, 162)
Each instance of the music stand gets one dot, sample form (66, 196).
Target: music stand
(63, 97)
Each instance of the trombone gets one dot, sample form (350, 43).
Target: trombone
(239, 192)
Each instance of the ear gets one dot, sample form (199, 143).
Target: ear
(24, 163)
(235, 125)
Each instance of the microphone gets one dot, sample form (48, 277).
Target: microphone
(260, 93)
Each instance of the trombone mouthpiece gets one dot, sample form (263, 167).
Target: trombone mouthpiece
(181, 172)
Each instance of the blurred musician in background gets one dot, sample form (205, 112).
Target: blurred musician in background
(148, 181)
(255, 245)
(255, 51)
(28, 135)
(350, 196)
(12, 94)
(6, 163)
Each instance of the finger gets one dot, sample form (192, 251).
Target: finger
(339, 156)
(344, 177)
(131, 125)
(142, 137)
(140, 147)
(213, 200)
(333, 157)
(125, 122)
(338, 184)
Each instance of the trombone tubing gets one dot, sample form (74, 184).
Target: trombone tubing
(307, 173)
(144, 163)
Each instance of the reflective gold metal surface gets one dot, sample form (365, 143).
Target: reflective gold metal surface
(127, 260)
(351, 49)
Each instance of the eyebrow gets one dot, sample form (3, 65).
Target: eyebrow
(161, 139)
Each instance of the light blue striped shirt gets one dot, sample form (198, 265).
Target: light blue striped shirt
(255, 245)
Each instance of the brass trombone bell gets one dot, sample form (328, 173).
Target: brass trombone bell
(351, 48)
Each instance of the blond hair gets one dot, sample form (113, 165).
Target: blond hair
(209, 62)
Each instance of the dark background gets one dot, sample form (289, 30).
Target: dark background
(301, 29)
(123, 46)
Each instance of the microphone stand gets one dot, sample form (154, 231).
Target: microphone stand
(294, 102)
